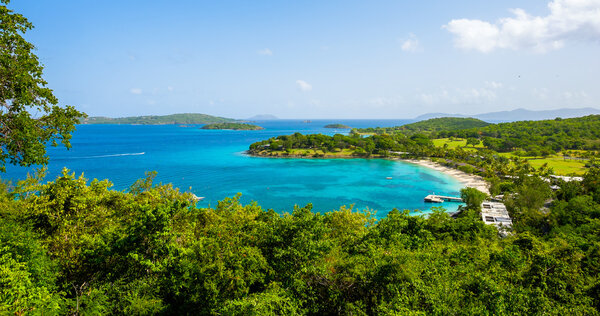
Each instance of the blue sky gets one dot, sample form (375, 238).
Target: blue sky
(317, 59)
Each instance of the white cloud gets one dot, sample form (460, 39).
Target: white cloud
(493, 84)
(170, 88)
(135, 91)
(303, 85)
(265, 52)
(568, 20)
(411, 44)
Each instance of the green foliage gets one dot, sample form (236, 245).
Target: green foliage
(233, 126)
(536, 138)
(27, 274)
(472, 198)
(81, 248)
(23, 136)
(430, 126)
(184, 118)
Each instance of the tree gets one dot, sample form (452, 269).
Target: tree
(473, 198)
(23, 91)
(473, 141)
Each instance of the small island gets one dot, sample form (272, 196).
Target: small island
(232, 126)
(337, 126)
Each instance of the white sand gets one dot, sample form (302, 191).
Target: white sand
(468, 180)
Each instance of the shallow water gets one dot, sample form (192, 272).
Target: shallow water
(213, 164)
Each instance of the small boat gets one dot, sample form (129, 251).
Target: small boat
(389, 178)
(196, 198)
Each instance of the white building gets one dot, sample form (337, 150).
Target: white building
(495, 213)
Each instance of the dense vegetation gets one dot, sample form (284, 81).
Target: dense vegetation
(336, 126)
(185, 118)
(233, 126)
(428, 126)
(549, 135)
(536, 137)
(71, 247)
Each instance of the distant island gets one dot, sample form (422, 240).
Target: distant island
(263, 117)
(336, 126)
(184, 118)
(233, 126)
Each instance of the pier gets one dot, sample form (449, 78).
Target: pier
(433, 198)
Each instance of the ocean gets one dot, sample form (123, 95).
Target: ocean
(213, 164)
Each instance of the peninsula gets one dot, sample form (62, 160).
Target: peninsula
(233, 126)
(559, 146)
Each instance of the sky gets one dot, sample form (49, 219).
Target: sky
(317, 59)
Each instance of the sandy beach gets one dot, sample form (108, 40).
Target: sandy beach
(468, 180)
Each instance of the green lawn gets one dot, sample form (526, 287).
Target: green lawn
(559, 165)
(454, 143)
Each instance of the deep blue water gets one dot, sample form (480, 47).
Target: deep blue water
(213, 164)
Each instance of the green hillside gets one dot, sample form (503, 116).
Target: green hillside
(184, 118)
(431, 125)
(547, 135)
(233, 126)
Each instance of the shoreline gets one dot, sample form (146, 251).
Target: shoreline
(468, 180)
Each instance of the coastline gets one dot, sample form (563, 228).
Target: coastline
(468, 180)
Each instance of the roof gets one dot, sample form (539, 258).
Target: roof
(495, 213)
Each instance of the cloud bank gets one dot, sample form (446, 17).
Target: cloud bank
(568, 20)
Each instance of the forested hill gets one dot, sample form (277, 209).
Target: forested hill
(532, 136)
(431, 125)
(557, 134)
(184, 118)
(233, 126)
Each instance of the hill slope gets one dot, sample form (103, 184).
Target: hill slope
(183, 118)
(431, 125)
(233, 126)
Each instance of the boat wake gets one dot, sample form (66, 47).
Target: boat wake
(113, 155)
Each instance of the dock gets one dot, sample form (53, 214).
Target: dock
(433, 198)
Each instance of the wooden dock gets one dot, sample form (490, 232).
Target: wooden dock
(433, 198)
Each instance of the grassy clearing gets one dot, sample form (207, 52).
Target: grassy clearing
(454, 143)
(559, 165)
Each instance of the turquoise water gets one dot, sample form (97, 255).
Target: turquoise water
(213, 164)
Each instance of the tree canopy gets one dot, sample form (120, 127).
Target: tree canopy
(29, 115)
